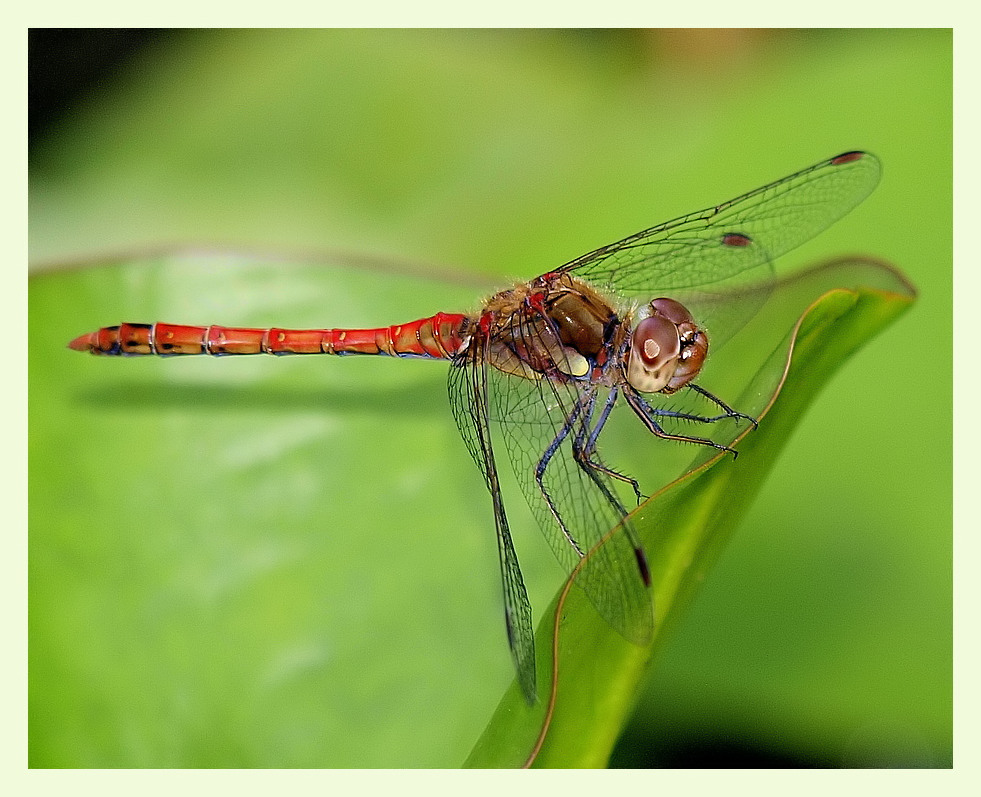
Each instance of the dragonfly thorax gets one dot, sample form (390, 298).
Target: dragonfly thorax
(667, 349)
(553, 327)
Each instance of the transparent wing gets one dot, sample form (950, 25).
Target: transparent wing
(576, 504)
(731, 239)
(467, 386)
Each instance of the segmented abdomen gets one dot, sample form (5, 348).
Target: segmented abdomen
(438, 337)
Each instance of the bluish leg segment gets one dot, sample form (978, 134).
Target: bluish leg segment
(543, 464)
(648, 415)
(729, 411)
(584, 451)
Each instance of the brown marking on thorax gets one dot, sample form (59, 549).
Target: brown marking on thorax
(555, 326)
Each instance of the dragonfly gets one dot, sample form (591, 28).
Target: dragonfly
(542, 365)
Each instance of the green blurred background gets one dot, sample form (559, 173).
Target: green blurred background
(252, 562)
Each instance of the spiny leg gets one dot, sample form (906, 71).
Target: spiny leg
(729, 411)
(583, 448)
(583, 451)
(688, 416)
(647, 416)
(581, 415)
(543, 464)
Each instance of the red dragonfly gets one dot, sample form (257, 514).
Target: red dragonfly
(548, 360)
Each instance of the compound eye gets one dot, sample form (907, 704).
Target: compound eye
(655, 348)
(692, 358)
(673, 311)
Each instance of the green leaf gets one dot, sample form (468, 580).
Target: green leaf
(596, 673)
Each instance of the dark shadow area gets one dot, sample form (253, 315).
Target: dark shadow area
(66, 64)
(705, 751)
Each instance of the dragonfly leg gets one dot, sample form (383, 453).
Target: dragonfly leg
(648, 415)
(540, 474)
(729, 411)
(583, 450)
(687, 416)
(583, 444)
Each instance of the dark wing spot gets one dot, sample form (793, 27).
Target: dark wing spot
(847, 157)
(736, 239)
(645, 571)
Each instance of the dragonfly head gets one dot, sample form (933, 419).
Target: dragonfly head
(667, 349)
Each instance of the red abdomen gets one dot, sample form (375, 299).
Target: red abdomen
(438, 337)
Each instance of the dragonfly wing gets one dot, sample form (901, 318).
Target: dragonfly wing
(467, 387)
(734, 238)
(577, 506)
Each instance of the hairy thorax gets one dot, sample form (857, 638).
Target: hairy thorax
(558, 327)
(555, 326)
